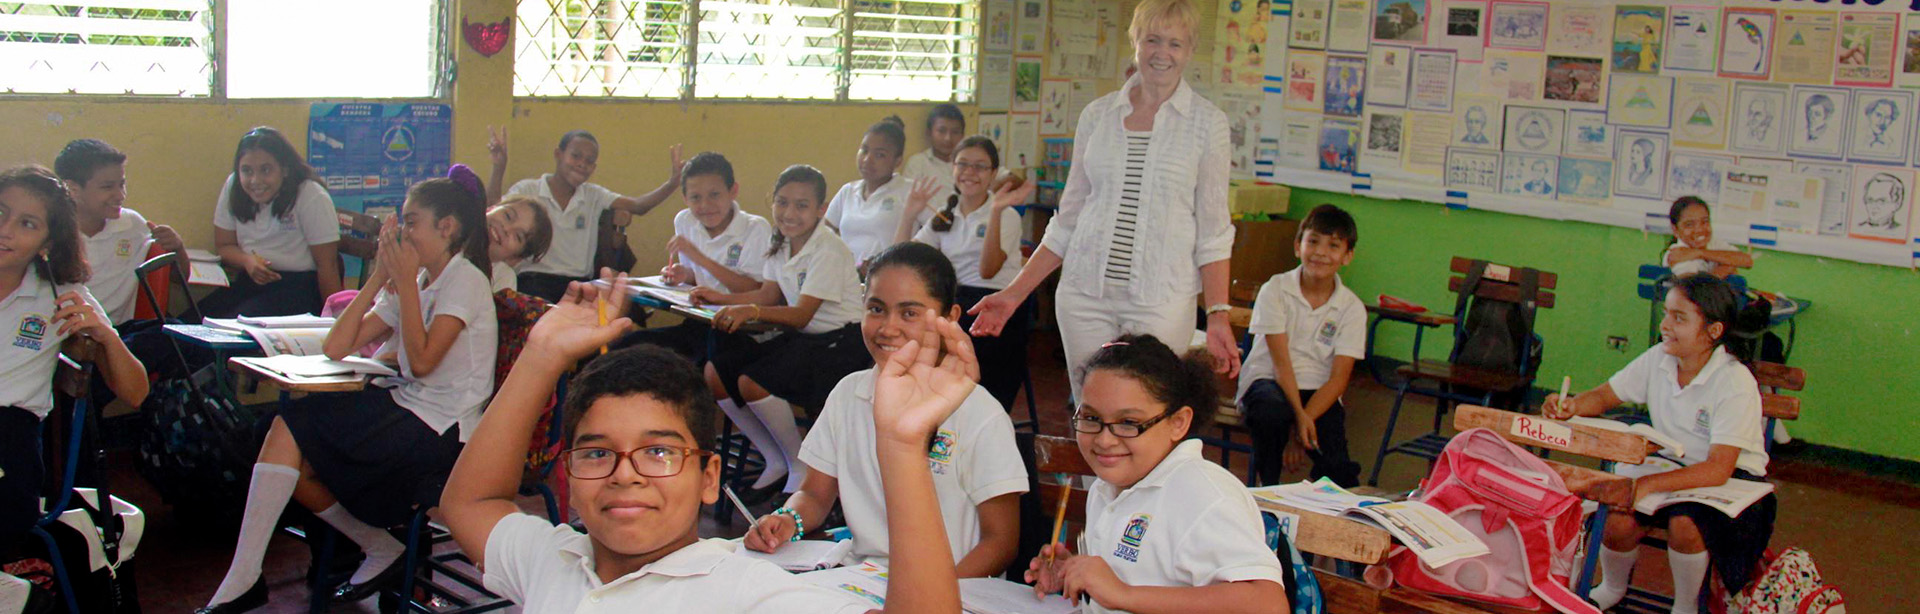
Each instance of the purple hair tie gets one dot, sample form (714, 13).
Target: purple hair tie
(464, 176)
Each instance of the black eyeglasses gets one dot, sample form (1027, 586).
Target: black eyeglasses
(1124, 429)
(656, 461)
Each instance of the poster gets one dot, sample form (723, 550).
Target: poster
(1347, 26)
(1400, 21)
(1464, 28)
(1468, 169)
(1432, 81)
(1579, 29)
(1084, 92)
(996, 82)
(1534, 130)
(1758, 128)
(1516, 76)
(1804, 51)
(1023, 141)
(368, 154)
(1030, 34)
(1880, 123)
(1819, 127)
(1696, 174)
(1574, 79)
(1239, 42)
(1746, 44)
(1529, 175)
(1300, 146)
(1588, 135)
(1346, 82)
(1586, 181)
(997, 25)
(994, 126)
(1641, 163)
(1308, 29)
(1339, 145)
(1477, 121)
(1700, 112)
(1641, 100)
(1743, 192)
(1243, 130)
(1909, 73)
(1425, 144)
(1387, 70)
(1304, 71)
(1865, 53)
(1072, 29)
(1637, 34)
(1882, 206)
(1833, 198)
(1693, 35)
(1794, 203)
(1517, 25)
(1026, 84)
(1384, 140)
(1053, 107)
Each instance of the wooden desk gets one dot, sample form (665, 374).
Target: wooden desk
(337, 383)
(1334, 536)
(1421, 321)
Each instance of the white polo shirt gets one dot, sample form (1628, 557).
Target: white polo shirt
(964, 242)
(1721, 406)
(287, 242)
(548, 569)
(459, 387)
(576, 228)
(923, 164)
(1696, 265)
(1314, 336)
(503, 277)
(1187, 523)
(742, 246)
(32, 342)
(973, 459)
(868, 222)
(823, 269)
(114, 253)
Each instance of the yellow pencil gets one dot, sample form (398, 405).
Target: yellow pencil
(1060, 513)
(600, 307)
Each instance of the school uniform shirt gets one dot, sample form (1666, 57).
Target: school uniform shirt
(1721, 406)
(576, 228)
(973, 459)
(868, 222)
(1183, 196)
(741, 246)
(548, 569)
(923, 164)
(1696, 265)
(503, 277)
(286, 242)
(823, 269)
(114, 253)
(966, 241)
(455, 391)
(1187, 523)
(32, 347)
(1314, 336)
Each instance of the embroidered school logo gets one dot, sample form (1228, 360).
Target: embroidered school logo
(1131, 537)
(1703, 422)
(123, 248)
(579, 223)
(33, 330)
(803, 279)
(980, 231)
(886, 204)
(1328, 330)
(733, 255)
(940, 453)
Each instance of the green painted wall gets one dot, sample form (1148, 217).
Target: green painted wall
(1858, 343)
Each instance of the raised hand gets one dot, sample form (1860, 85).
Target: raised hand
(675, 165)
(1009, 195)
(571, 330)
(497, 145)
(917, 388)
(924, 189)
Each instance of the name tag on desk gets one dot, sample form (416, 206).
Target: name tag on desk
(1543, 431)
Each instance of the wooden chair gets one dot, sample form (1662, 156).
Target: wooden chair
(1450, 383)
(1227, 419)
(610, 248)
(72, 387)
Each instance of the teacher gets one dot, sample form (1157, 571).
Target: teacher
(1143, 223)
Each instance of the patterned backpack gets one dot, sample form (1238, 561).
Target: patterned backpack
(1789, 584)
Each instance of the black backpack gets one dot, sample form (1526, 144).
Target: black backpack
(1498, 335)
(199, 445)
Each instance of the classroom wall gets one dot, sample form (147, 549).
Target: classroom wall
(1857, 343)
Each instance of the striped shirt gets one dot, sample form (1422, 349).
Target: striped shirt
(1126, 219)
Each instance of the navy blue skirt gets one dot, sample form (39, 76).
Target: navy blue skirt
(374, 455)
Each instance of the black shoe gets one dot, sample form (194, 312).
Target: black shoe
(350, 592)
(253, 598)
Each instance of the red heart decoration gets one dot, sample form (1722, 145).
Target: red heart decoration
(486, 38)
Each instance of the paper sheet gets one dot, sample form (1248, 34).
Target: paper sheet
(1030, 35)
(805, 555)
(1804, 52)
(996, 82)
(1693, 33)
(997, 596)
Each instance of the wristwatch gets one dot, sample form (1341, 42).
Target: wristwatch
(1219, 308)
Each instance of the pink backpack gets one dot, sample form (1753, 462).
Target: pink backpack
(1516, 504)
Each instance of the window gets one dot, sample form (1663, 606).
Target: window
(333, 48)
(747, 49)
(161, 48)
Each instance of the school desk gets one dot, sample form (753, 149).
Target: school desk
(1421, 321)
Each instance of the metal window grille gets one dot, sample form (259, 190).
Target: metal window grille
(120, 47)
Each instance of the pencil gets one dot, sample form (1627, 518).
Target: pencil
(600, 307)
(1566, 382)
(1060, 512)
(739, 506)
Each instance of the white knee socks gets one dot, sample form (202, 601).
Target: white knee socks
(381, 548)
(267, 496)
(1689, 570)
(750, 425)
(777, 414)
(1616, 567)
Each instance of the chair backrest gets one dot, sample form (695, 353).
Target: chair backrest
(359, 237)
(1056, 456)
(157, 276)
(517, 314)
(1779, 376)
(611, 249)
(1494, 317)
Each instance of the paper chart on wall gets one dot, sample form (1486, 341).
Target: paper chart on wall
(996, 82)
(1642, 159)
(1469, 169)
(1346, 86)
(1431, 87)
(1026, 84)
(1030, 34)
(1696, 174)
(1463, 28)
(1243, 130)
(1387, 70)
(1339, 145)
(1760, 120)
(1517, 25)
(1305, 69)
(1239, 43)
(1866, 51)
(1477, 122)
(1529, 175)
(1746, 43)
(1514, 75)
(1575, 80)
(996, 25)
(1534, 130)
(994, 126)
(1308, 28)
(1053, 107)
(1588, 135)
(1908, 74)
(1586, 181)
(1347, 26)
(1023, 134)
(1384, 142)
(1794, 203)
(1700, 112)
(1579, 29)
(1425, 146)
(1299, 147)
(1879, 126)
(1803, 52)
(1083, 93)
(1073, 29)
(1743, 192)
(1833, 199)
(1640, 100)
(1693, 36)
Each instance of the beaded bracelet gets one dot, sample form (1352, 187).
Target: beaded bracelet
(799, 526)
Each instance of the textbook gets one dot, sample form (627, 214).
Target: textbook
(277, 341)
(295, 321)
(1640, 428)
(1432, 535)
(1730, 498)
(867, 580)
(203, 269)
(319, 366)
(805, 555)
(997, 596)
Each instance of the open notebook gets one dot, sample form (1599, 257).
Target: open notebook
(805, 555)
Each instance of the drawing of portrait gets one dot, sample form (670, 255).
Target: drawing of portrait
(1758, 127)
(1476, 127)
(1476, 122)
(1882, 121)
(1529, 175)
(1641, 159)
(1478, 170)
(1821, 129)
(1880, 204)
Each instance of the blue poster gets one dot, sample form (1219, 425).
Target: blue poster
(368, 154)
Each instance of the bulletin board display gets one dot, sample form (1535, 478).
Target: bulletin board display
(368, 154)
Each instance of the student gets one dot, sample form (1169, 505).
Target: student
(43, 303)
(1167, 529)
(358, 460)
(976, 467)
(981, 236)
(636, 424)
(1311, 329)
(715, 245)
(1693, 249)
(811, 286)
(277, 227)
(574, 204)
(518, 230)
(946, 125)
(867, 211)
(117, 237)
(1700, 396)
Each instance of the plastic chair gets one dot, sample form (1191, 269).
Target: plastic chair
(167, 267)
(72, 381)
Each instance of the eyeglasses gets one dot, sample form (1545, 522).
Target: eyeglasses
(978, 168)
(650, 461)
(1124, 429)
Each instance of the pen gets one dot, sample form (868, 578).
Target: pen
(1566, 382)
(739, 506)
